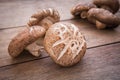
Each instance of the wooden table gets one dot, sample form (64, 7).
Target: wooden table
(101, 61)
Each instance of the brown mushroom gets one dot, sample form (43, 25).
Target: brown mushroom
(26, 39)
(29, 38)
(111, 5)
(103, 18)
(66, 46)
(82, 9)
(44, 18)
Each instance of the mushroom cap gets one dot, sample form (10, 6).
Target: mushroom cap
(103, 16)
(24, 38)
(51, 16)
(112, 4)
(65, 44)
(77, 9)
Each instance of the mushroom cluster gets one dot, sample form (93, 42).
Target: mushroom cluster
(62, 41)
(100, 12)
(36, 29)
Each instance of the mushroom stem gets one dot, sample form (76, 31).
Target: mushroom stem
(40, 41)
(83, 14)
(107, 8)
(34, 49)
(100, 25)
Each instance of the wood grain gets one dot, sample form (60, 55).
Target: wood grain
(17, 12)
(102, 63)
(93, 36)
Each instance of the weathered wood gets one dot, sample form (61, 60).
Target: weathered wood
(17, 12)
(101, 63)
(94, 38)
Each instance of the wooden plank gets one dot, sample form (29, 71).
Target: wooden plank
(17, 12)
(102, 63)
(94, 38)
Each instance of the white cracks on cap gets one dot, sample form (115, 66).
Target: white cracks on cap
(34, 30)
(71, 38)
(44, 11)
(51, 11)
(45, 14)
(31, 29)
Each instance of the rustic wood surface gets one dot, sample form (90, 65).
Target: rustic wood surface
(17, 12)
(101, 61)
(93, 36)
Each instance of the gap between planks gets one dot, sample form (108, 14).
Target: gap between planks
(95, 38)
(98, 64)
(49, 56)
(26, 25)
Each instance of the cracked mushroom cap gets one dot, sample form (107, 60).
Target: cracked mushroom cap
(24, 39)
(103, 16)
(112, 4)
(79, 8)
(66, 46)
(44, 18)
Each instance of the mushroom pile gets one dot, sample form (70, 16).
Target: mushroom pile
(100, 12)
(36, 29)
(62, 41)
